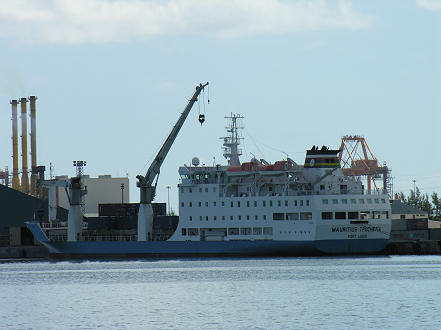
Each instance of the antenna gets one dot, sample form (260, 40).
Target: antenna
(231, 142)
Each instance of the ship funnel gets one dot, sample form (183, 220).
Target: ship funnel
(34, 175)
(15, 177)
(24, 147)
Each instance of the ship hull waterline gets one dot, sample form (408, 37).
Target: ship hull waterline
(188, 249)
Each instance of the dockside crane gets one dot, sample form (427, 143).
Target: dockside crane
(147, 183)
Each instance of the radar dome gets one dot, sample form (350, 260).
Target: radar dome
(195, 161)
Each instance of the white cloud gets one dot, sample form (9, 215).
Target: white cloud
(429, 4)
(92, 21)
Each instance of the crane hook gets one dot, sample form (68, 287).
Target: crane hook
(201, 118)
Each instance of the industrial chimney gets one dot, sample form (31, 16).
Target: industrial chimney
(34, 175)
(15, 178)
(24, 147)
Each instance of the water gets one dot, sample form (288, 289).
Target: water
(401, 292)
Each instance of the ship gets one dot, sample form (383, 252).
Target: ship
(253, 208)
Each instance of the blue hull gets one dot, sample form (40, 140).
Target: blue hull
(133, 249)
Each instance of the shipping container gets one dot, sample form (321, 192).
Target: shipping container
(435, 234)
(411, 235)
(417, 224)
(399, 224)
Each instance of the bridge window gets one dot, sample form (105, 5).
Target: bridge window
(286, 203)
(193, 231)
(245, 231)
(327, 215)
(335, 201)
(182, 204)
(364, 215)
(324, 201)
(361, 201)
(305, 216)
(279, 203)
(353, 201)
(267, 230)
(278, 216)
(255, 203)
(248, 203)
(344, 201)
(352, 215)
(257, 231)
(292, 216)
(184, 232)
(369, 201)
(190, 204)
(233, 231)
(340, 215)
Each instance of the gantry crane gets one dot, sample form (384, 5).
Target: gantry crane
(146, 183)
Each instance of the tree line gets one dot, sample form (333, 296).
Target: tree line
(421, 201)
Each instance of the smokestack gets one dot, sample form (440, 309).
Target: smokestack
(34, 175)
(15, 178)
(24, 147)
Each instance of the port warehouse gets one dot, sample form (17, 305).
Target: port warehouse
(412, 231)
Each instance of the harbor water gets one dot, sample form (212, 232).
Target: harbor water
(399, 292)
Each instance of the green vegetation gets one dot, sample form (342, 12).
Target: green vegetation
(422, 202)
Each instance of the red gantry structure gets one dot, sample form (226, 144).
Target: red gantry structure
(358, 160)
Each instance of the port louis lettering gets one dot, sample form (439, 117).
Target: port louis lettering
(356, 232)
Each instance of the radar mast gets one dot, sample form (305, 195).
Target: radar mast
(231, 142)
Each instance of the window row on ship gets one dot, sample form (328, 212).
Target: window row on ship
(231, 231)
(292, 216)
(254, 203)
(361, 201)
(363, 215)
(286, 203)
(276, 216)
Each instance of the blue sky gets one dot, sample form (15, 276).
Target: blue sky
(113, 76)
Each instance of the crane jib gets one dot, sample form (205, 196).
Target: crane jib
(155, 166)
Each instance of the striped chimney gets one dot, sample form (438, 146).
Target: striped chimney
(24, 147)
(15, 177)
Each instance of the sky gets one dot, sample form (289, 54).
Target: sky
(112, 78)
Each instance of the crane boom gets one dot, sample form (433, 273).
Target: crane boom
(154, 168)
(145, 183)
